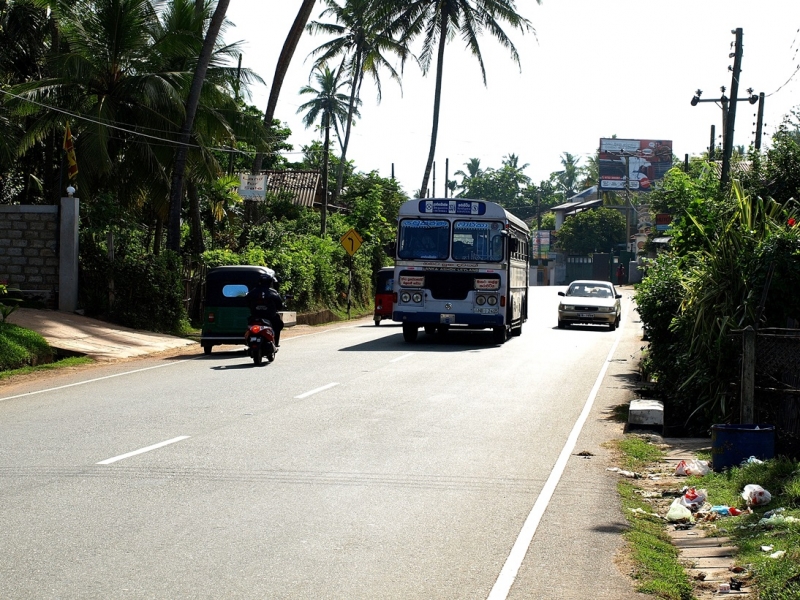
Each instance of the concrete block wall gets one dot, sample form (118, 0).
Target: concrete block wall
(29, 258)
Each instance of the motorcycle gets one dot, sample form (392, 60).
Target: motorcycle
(260, 341)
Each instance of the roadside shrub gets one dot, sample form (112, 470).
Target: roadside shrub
(21, 347)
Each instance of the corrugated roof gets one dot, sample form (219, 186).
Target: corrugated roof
(304, 186)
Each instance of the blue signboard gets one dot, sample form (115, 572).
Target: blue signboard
(452, 207)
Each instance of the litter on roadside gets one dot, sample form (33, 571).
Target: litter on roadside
(776, 520)
(752, 461)
(678, 513)
(755, 495)
(629, 474)
(693, 499)
(778, 554)
(692, 467)
(767, 548)
(727, 511)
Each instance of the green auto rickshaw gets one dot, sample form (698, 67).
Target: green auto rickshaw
(225, 309)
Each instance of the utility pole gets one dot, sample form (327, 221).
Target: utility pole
(760, 122)
(711, 143)
(446, 176)
(729, 106)
(730, 121)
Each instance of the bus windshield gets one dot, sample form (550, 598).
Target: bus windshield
(478, 241)
(424, 238)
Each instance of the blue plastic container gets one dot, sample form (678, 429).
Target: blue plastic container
(732, 444)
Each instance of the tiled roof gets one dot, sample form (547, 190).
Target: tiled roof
(304, 186)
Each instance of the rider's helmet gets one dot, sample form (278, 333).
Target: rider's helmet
(266, 279)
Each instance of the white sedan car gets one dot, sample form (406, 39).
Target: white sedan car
(587, 301)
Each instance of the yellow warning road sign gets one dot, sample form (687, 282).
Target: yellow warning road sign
(351, 241)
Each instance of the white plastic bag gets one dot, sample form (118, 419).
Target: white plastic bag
(693, 499)
(678, 513)
(696, 467)
(755, 495)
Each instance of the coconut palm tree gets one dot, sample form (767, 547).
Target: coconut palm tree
(330, 107)
(285, 58)
(361, 37)
(178, 169)
(567, 179)
(438, 21)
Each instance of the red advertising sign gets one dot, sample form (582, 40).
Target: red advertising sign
(633, 164)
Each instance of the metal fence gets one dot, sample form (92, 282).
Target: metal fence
(774, 371)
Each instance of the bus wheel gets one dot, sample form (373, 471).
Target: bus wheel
(410, 333)
(499, 334)
(430, 329)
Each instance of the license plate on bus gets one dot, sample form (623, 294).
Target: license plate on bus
(586, 315)
(447, 319)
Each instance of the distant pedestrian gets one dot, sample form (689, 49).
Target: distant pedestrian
(620, 275)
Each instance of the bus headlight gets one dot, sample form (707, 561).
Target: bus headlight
(405, 297)
(492, 300)
(480, 300)
(417, 298)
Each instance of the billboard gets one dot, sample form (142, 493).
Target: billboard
(633, 164)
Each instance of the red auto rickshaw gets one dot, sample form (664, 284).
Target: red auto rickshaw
(384, 294)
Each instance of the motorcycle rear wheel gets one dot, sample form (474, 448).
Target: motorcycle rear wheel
(257, 356)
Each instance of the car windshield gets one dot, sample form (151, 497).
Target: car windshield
(582, 290)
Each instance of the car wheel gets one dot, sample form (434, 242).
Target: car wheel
(561, 324)
(207, 348)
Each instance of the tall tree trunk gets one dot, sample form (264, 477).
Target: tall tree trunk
(158, 236)
(176, 192)
(355, 86)
(289, 46)
(323, 227)
(437, 100)
(196, 224)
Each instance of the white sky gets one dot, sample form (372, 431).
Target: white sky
(594, 69)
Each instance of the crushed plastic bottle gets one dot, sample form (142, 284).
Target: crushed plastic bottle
(726, 511)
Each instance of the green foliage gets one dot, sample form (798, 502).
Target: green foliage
(21, 347)
(591, 231)
(137, 289)
(7, 305)
(693, 299)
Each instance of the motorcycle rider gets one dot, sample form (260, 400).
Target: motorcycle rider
(265, 303)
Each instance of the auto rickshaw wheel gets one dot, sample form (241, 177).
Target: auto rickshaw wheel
(377, 321)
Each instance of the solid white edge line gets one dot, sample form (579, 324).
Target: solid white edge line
(508, 573)
(62, 387)
(108, 461)
(314, 391)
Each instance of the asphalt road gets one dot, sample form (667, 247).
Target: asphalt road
(354, 466)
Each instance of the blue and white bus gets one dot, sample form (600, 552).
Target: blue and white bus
(460, 264)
